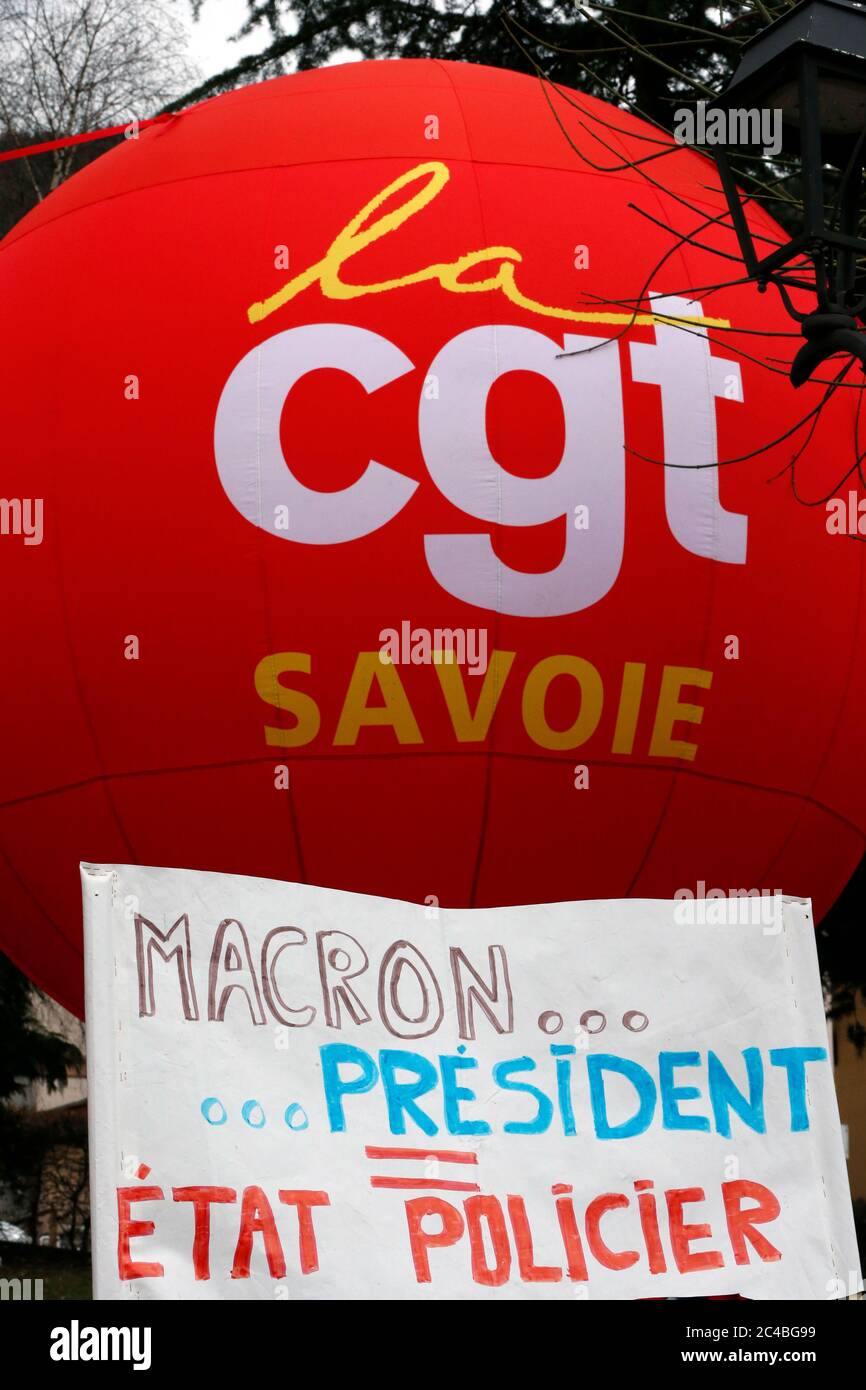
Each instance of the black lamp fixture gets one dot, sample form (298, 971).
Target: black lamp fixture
(810, 65)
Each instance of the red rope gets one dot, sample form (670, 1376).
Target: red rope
(80, 139)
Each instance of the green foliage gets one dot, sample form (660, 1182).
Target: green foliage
(28, 1051)
(654, 54)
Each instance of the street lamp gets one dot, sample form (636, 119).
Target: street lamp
(810, 65)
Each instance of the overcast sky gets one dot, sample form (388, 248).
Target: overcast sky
(209, 45)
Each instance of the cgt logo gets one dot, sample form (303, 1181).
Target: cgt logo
(588, 485)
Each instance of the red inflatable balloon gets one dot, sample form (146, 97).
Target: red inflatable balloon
(335, 373)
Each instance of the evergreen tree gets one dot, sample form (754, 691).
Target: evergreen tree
(652, 54)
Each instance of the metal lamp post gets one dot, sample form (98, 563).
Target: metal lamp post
(811, 66)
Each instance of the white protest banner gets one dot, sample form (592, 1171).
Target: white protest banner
(303, 1093)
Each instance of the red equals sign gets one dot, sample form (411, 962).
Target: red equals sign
(424, 1156)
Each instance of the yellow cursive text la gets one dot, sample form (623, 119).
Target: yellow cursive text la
(355, 236)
